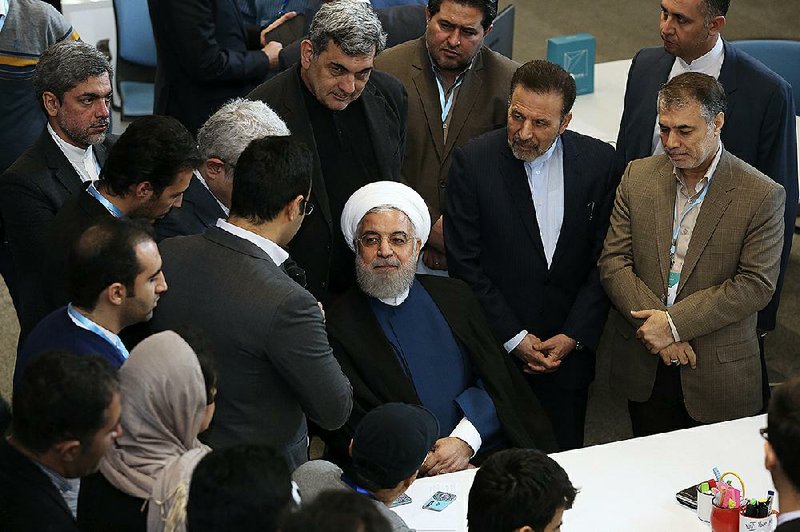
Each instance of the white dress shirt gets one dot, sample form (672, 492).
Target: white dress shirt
(710, 63)
(3, 12)
(275, 252)
(222, 206)
(546, 181)
(83, 161)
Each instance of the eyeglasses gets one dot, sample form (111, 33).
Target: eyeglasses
(306, 206)
(764, 433)
(373, 240)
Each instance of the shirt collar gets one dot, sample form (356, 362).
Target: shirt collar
(460, 76)
(545, 157)
(3, 8)
(222, 206)
(275, 252)
(397, 300)
(75, 155)
(788, 516)
(62, 484)
(80, 320)
(710, 61)
(709, 172)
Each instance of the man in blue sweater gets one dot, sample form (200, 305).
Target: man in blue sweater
(115, 280)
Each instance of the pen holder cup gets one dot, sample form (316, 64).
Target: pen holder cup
(704, 505)
(724, 519)
(758, 524)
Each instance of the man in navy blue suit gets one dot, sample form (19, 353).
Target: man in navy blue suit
(759, 121)
(527, 210)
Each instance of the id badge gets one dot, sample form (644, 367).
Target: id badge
(439, 501)
(401, 501)
(672, 287)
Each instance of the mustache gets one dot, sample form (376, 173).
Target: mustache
(388, 261)
(102, 123)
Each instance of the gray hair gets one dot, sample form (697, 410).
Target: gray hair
(237, 123)
(689, 87)
(66, 64)
(351, 24)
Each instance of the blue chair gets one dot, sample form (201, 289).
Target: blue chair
(783, 57)
(136, 58)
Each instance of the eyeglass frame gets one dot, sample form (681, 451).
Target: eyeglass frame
(306, 206)
(764, 433)
(381, 237)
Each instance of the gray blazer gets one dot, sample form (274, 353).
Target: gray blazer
(273, 358)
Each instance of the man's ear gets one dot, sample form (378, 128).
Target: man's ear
(294, 208)
(116, 293)
(215, 168)
(565, 122)
(716, 25)
(68, 451)
(143, 190)
(718, 122)
(306, 53)
(50, 103)
(770, 460)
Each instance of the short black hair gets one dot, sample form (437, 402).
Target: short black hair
(200, 343)
(488, 7)
(516, 488)
(694, 86)
(543, 77)
(243, 488)
(715, 8)
(65, 65)
(783, 428)
(270, 173)
(340, 510)
(152, 149)
(105, 254)
(62, 396)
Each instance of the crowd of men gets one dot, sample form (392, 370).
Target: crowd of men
(402, 251)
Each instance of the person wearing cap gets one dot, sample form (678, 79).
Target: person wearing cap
(423, 339)
(387, 452)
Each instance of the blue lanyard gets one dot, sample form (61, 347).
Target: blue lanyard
(282, 10)
(355, 487)
(692, 204)
(446, 102)
(93, 327)
(110, 207)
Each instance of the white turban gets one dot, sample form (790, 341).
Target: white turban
(389, 194)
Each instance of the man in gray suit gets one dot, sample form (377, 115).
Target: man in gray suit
(457, 90)
(275, 364)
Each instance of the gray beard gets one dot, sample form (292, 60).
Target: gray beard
(385, 286)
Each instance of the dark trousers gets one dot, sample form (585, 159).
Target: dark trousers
(566, 409)
(665, 410)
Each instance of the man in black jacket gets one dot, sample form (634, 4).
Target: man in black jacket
(354, 120)
(66, 415)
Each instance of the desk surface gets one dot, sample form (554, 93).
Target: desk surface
(625, 485)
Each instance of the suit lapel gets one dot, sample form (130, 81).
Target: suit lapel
(573, 208)
(375, 113)
(513, 172)
(711, 210)
(467, 96)
(58, 162)
(295, 115)
(727, 76)
(425, 86)
(649, 94)
(664, 214)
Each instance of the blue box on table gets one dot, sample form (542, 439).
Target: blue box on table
(575, 53)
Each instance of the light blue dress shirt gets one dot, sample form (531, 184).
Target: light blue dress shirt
(3, 12)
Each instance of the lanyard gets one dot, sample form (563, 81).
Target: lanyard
(355, 487)
(446, 101)
(692, 204)
(91, 326)
(110, 207)
(282, 10)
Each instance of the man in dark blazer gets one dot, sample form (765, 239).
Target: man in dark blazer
(66, 416)
(527, 210)
(206, 56)
(354, 120)
(73, 85)
(221, 140)
(450, 60)
(783, 438)
(272, 354)
(146, 174)
(759, 123)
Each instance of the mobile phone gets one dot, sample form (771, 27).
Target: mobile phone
(688, 497)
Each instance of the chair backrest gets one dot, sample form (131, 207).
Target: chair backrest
(782, 57)
(501, 39)
(135, 41)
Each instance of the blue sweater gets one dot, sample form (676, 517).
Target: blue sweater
(57, 332)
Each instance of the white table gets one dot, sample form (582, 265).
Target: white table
(598, 114)
(625, 485)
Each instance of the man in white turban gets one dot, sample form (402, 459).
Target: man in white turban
(421, 339)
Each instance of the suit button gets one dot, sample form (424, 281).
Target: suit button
(324, 284)
(546, 282)
(442, 184)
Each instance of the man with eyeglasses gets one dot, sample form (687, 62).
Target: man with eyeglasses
(275, 364)
(221, 140)
(423, 340)
(780, 451)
